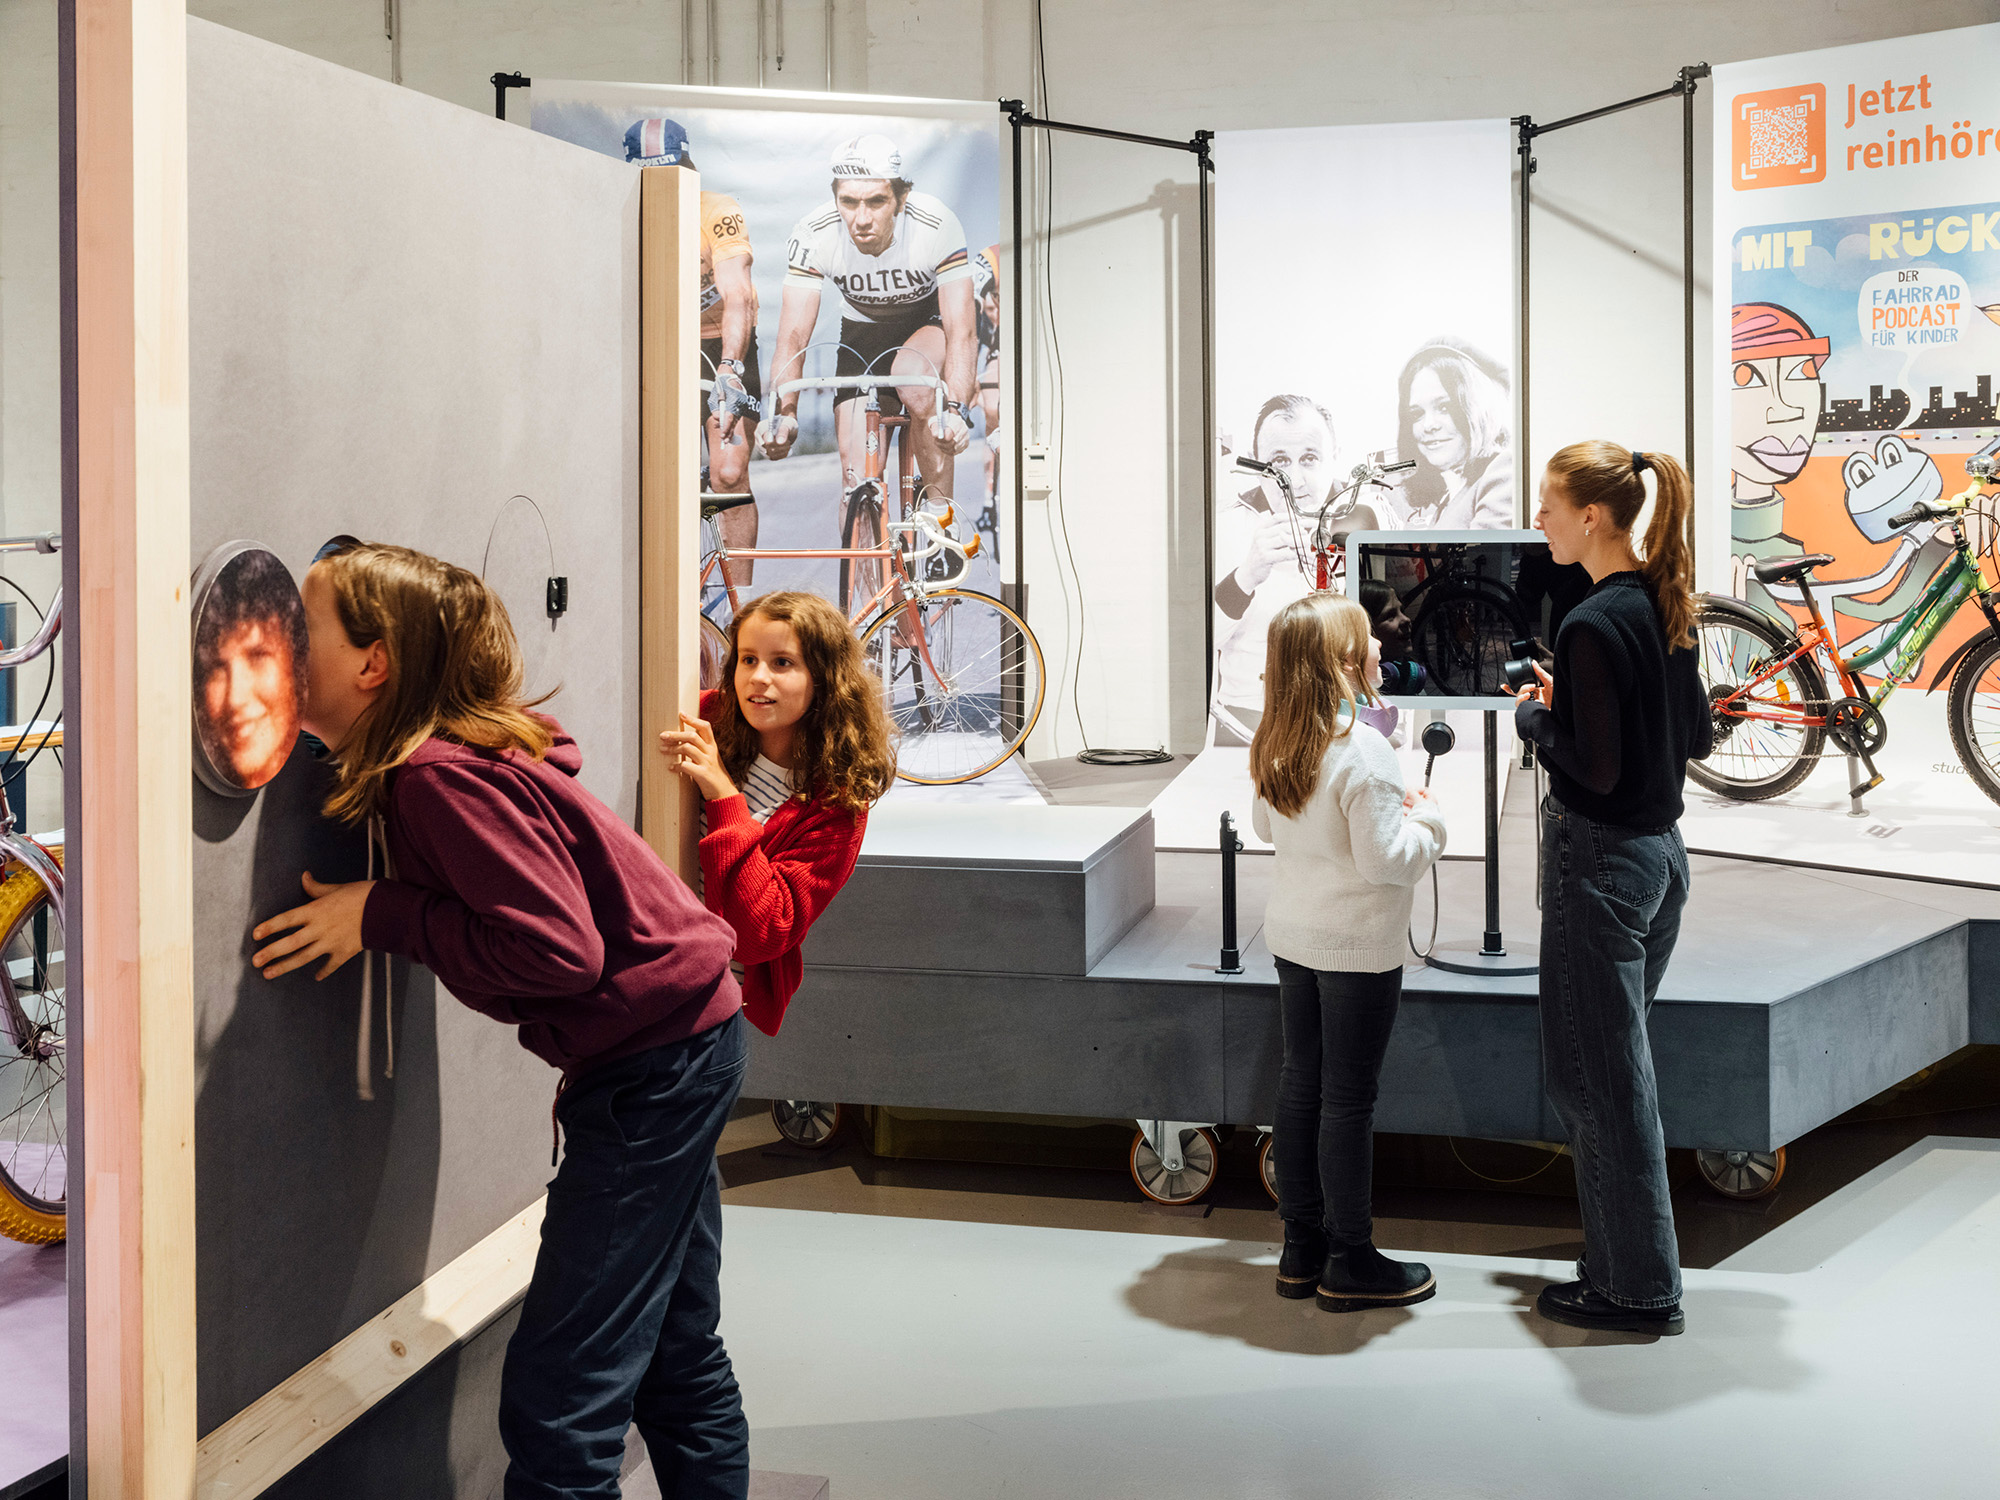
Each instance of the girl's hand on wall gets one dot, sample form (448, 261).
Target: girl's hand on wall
(327, 927)
(691, 751)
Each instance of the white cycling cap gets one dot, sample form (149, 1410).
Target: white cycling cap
(869, 156)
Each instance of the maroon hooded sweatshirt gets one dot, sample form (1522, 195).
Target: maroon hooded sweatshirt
(534, 904)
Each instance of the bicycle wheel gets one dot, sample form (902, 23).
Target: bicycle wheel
(34, 1186)
(1973, 711)
(1464, 636)
(1756, 758)
(714, 653)
(961, 678)
(861, 526)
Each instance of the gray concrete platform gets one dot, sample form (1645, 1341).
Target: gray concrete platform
(1794, 995)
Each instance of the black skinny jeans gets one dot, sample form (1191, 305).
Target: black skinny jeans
(1336, 1031)
(619, 1325)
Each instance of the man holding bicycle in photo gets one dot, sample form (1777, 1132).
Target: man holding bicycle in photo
(899, 260)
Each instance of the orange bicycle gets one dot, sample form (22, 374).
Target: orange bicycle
(961, 673)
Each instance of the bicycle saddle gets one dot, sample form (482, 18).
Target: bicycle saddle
(714, 505)
(1779, 569)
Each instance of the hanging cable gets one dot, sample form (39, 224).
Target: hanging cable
(1059, 519)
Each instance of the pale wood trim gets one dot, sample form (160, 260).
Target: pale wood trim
(669, 499)
(283, 1428)
(130, 630)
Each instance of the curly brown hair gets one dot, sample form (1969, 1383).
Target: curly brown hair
(845, 754)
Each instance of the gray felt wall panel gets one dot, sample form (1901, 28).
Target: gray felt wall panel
(403, 313)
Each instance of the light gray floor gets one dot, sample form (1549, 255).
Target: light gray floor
(1847, 1353)
(34, 1354)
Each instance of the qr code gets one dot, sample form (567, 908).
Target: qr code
(1778, 137)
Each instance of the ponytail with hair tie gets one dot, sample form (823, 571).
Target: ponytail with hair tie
(1601, 473)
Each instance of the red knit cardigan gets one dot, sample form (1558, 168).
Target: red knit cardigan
(771, 881)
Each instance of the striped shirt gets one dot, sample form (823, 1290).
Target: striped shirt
(765, 787)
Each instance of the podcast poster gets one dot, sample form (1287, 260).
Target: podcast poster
(1857, 263)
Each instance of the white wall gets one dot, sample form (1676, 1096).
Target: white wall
(1606, 233)
(30, 351)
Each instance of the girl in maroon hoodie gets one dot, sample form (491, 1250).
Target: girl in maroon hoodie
(536, 905)
(788, 758)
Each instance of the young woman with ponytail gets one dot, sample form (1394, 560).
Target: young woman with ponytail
(1615, 724)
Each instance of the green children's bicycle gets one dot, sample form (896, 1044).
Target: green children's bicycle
(1773, 708)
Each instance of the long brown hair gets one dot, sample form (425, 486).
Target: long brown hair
(1601, 473)
(1314, 658)
(454, 667)
(844, 753)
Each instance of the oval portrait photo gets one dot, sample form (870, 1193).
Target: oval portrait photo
(249, 667)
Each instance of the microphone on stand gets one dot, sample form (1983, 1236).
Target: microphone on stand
(1438, 737)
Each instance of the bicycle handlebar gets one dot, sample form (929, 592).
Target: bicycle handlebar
(856, 383)
(41, 541)
(51, 623)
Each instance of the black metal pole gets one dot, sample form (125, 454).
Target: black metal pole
(1197, 144)
(501, 83)
(1524, 486)
(1019, 415)
(1689, 75)
(1231, 960)
(1610, 109)
(1493, 947)
(1208, 455)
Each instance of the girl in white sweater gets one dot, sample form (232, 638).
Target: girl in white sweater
(1351, 846)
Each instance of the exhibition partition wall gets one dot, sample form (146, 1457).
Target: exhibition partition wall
(1365, 316)
(1857, 316)
(426, 328)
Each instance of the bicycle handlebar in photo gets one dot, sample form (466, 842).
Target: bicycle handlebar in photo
(39, 642)
(856, 383)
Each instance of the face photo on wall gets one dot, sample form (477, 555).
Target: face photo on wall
(249, 668)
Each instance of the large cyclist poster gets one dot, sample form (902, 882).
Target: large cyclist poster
(1857, 328)
(909, 285)
(1348, 330)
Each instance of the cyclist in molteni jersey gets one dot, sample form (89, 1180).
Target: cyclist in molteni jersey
(898, 258)
(728, 334)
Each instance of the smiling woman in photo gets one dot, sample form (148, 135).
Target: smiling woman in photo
(1452, 408)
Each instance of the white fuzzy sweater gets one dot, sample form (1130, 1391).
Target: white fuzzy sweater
(1349, 863)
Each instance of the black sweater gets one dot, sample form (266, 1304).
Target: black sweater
(1628, 714)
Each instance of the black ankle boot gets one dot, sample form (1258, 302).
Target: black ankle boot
(1358, 1277)
(1305, 1253)
(1580, 1305)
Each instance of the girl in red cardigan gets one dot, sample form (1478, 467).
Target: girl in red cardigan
(788, 758)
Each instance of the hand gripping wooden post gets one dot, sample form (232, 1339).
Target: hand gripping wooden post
(669, 499)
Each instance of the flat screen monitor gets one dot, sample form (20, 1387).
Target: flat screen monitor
(1451, 608)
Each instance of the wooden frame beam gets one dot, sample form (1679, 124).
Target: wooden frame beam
(669, 499)
(132, 1033)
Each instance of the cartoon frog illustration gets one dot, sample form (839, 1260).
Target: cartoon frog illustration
(1881, 485)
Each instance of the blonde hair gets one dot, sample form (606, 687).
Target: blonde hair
(1314, 660)
(1602, 473)
(454, 668)
(844, 753)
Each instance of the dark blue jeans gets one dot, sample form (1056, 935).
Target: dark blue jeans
(1336, 1031)
(1611, 909)
(619, 1325)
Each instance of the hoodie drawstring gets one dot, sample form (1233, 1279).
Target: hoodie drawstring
(364, 1038)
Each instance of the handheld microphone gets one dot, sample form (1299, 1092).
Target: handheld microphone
(1438, 738)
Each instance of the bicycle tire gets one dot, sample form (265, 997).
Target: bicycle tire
(1465, 657)
(1966, 716)
(1731, 643)
(34, 1187)
(714, 653)
(861, 516)
(961, 724)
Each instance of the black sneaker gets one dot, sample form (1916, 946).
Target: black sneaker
(1578, 1304)
(1358, 1277)
(1305, 1253)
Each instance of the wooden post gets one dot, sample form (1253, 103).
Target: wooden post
(669, 498)
(130, 744)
